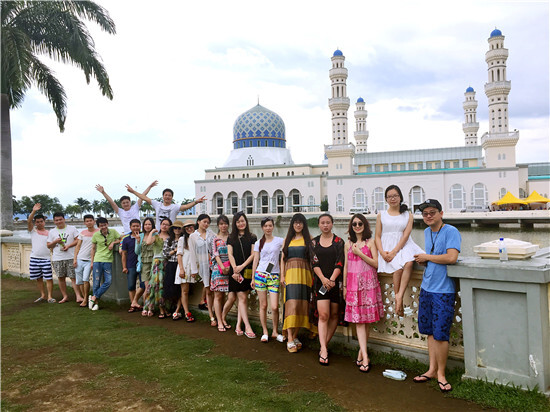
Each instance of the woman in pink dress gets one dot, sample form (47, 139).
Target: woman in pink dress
(361, 287)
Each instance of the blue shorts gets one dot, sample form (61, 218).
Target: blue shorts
(435, 314)
(40, 268)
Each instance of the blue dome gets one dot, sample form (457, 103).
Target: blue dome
(337, 53)
(496, 32)
(259, 127)
(469, 89)
(360, 100)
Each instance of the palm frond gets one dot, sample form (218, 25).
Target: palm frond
(48, 84)
(16, 65)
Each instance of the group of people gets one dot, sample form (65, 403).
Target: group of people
(325, 280)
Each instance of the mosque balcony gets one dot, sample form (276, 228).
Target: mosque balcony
(339, 150)
(494, 88)
(338, 72)
(361, 113)
(361, 134)
(496, 54)
(469, 104)
(470, 127)
(499, 139)
(339, 103)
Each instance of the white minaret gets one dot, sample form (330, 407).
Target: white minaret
(498, 143)
(361, 133)
(340, 153)
(470, 125)
(339, 102)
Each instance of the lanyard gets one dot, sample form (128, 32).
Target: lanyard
(435, 240)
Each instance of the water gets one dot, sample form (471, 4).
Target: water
(471, 236)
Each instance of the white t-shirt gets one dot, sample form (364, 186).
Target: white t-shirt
(68, 234)
(270, 254)
(127, 215)
(39, 244)
(171, 212)
(85, 252)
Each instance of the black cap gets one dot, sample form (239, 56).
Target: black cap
(430, 203)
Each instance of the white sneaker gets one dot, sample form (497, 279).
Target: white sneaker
(96, 307)
(90, 302)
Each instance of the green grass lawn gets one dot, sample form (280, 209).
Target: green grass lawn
(44, 342)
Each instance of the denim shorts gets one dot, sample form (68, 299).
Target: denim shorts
(266, 281)
(82, 271)
(435, 314)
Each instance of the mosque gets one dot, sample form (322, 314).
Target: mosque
(260, 177)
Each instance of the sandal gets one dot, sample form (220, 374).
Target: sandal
(264, 338)
(213, 322)
(40, 300)
(298, 344)
(222, 329)
(291, 347)
(189, 317)
(250, 335)
(150, 314)
(239, 332)
(442, 386)
(421, 379)
(162, 316)
(365, 368)
(323, 361)
(176, 316)
(132, 309)
(227, 326)
(144, 313)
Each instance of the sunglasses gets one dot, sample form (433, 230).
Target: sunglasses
(355, 224)
(430, 214)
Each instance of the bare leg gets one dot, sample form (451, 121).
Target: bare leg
(262, 296)
(231, 297)
(131, 295)
(243, 311)
(441, 353)
(407, 270)
(362, 337)
(80, 292)
(210, 302)
(49, 286)
(138, 294)
(323, 307)
(396, 289)
(76, 290)
(218, 307)
(274, 299)
(40, 285)
(63, 288)
(332, 321)
(185, 297)
(203, 298)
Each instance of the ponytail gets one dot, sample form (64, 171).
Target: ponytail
(262, 242)
(403, 208)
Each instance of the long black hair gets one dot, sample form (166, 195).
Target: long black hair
(150, 219)
(298, 217)
(172, 236)
(262, 224)
(402, 206)
(234, 235)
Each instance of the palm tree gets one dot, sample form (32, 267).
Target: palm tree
(96, 206)
(54, 29)
(84, 204)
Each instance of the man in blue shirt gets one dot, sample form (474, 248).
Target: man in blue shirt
(437, 292)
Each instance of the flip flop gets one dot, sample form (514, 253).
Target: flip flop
(213, 322)
(365, 368)
(442, 386)
(323, 361)
(227, 326)
(250, 335)
(162, 316)
(239, 332)
(221, 329)
(40, 300)
(132, 309)
(421, 379)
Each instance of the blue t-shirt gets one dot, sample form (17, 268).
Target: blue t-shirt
(435, 279)
(129, 245)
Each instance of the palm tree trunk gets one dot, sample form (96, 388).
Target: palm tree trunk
(6, 178)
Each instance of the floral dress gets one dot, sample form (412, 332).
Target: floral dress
(363, 295)
(156, 295)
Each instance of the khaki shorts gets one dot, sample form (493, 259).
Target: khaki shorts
(64, 268)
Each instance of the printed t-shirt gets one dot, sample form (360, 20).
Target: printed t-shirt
(129, 245)
(435, 279)
(102, 252)
(68, 234)
(39, 241)
(85, 252)
(127, 215)
(269, 254)
(171, 211)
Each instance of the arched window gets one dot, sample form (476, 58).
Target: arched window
(232, 203)
(417, 197)
(263, 202)
(457, 197)
(378, 201)
(248, 202)
(359, 199)
(295, 199)
(217, 203)
(340, 202)
(279, 202)
(502, 192)
(311, 202)
(479, 194)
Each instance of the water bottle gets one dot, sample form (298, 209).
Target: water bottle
(502, 252)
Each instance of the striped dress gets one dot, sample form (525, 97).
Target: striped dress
(299, 280)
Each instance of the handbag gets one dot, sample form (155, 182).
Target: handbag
(247, 274)
(225, 265)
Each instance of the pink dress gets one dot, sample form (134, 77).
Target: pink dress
(363, 295)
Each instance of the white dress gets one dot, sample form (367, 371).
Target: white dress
(392, 231)
(190, 265)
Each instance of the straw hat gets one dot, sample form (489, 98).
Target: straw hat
(177, 223)
(189, 222)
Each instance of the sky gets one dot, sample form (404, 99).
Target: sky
(182, 72)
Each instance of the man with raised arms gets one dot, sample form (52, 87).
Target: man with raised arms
(127, 211)
(61, 240)
(165, 208)
(40, 264)
(437, 291)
